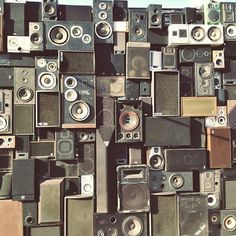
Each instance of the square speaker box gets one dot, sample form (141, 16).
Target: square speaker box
(169, 58)
(227, 222)
(155, 158)
(228, 12)
(154, 16)
(120, 10)
(212, 13)
(36, 34)
(231, 108)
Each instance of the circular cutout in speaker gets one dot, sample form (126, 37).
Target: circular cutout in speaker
(213, 16)
(157, 162)
(3, 123)
(102, 5)
(86, 38)
(76, 31)
(188, 54)
(87, 166)
(229, 223)
(176, 181)
(47, 80)
(105, 116)
(155, 19)
(51, 66)
(102, 15)
(214, 218)
(205, 71)
(36, 38)
(103, 30)
(138, 31)
(132, 226)
(214, 33)
(70, 95)
(58, 35)
(212, 200)
(49, 9)
(25, 94)
(129, 120)
(41, 62)
(79, 110)
(198, 33)
(29, 220)
(70, 82)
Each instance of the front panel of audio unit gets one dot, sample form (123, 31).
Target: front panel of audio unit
(117, 121)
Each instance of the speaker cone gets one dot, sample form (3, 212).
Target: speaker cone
(25, 94)
(58, 35)
(231, 31)
(71, 95)
(3, 123)
(113, 232)
(157, 161)
(214, 33)
(129, 120)
(36, 38)
(229, 223)
(49, 9)
(103, 30)
(212, 200)
(198, 33)
(51, 66)
(205, 71)
(79, 110)
(213, 16)
(71, 82)
(138, 31)
(155, 19)
(77, 31)
(132, 226)
(176, 181)
(47, 80)
(188, 54)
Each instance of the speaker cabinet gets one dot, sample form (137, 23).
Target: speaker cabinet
(6, 160)
(48, 109)
(50, 207)
(85, 135)
(129, 120)
(190, 207)
(43, 148)
(65, 144)
(166, 93)
(186, 81)
(30, 213)
(231, 108)
(23, 180)
(214, 222)
(228, 222)
(154, 16)
(47, 73)
(133, 188)
(11, 222)
(5, 185)
(1, 31)
(7, 142)
(169, 58)
(135, 155)
(36, 35)
(229, 193)
(132, 89)
(113, 224)
(79, 102)
(69, 35)
(24, 119)
(228, 12)
(138, 25)
(220, 120)
(75, 207)
(137, 60)
(219, 147)
(178, 126)
(212, 13)
(120, 10)
(77, 62)
(163, 209)
(51, 230)
(18, 44)
(103, 20)
(218, 59)
(155, 158)
(49, 10)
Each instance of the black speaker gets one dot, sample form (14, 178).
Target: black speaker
(103, 20)
(49, 10)
(43, 148)
(132, 89)
(154, 16)
(120, 10)
(36, 35)
(169, 58)
(214, 222)
(5, 185)
(186, 81)
(30, 213)
(137, 25)
(63, 168)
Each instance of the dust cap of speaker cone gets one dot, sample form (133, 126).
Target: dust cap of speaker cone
(129, 120)
(79, 110)
(58, 35)
(132, 226)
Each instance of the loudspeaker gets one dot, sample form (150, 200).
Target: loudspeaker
(75, 224)
(7, 73)
(7, 142)
(186, 159)
(50, 207)
(138, 25)
(133, 188)
(24, 119)
(118, 63)
(24, 85)
(135, 224)
(154, 16)
(214, 222)
(11, 222)
(119, 43)
(128, 120)
(228, 12)
(228, 222)
(178, 126)
(155, 158)
(52, 230)
(220, 120)
(77, 62)
(190, 207)
(166, 93)
(69, 35)
(18, 44)
(120, 10)
(217, 80)
(87, 185)
(212, 13)
(79, 102)
(36, 35)
(231, 110)
(218, 59)
(199, 106)
(204, 79)
(173, 16)
(169, 58)
(6, 160)
(85, 135)
(163, 209)
(198, 133)
(113, 86)
(145, 88)
(132, 89)
(5, 185)
(49, 10)
(229, 193)
(103, 21)
(47, 73)
(86, 160)
(219, 145)
(190, 14)
(135, 155)
(43, 148)
(189, 54)
(42, 169)
(137, 60)
(121, 154)
(163, 182)
(65, 144)
(72, 186)
(30, 213)
(186, 81)
(155, 60)
(48, 109)
(23, 180)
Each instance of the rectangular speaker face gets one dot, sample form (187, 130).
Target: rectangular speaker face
(132, 88)
(103, 18)
(85, 135)
(178, 126)
(199, 106)
(137, 60)
(118, 63)
(226, 217)
(65, 144)
(87, 185)
(80, 62)
(42, 148)
(48, 109)
(164, 182)
(133, 179)
(51, 201)
(220, 120)
(128, 132)
(213, 8)
(186, 81)
(79, 95)
(74, 223)
(1, 32)
(186, 159)
(7, 142)
(36, 35)
(49, 10)
(7, 73)
(6, 160)
(11, 222)
(6, 111)
(214, 222)
(190, 207)
(135, 155)
(138, 25)
(5, 185)
(169, 58)
(219, 147)
(113, 86)
(46, 231)
(163, 209)
(231, 108)
(23, 180)
(145, 88)
(76, 35)
(47, 73)
(155, 158)
(30, 213)
(117, 223)
(198, 133)
(63, 168)
(155, 60)
(154, 16)
(24, 119)
(229, 193)
(166, 97)
(18, 44)
(228, 12)
(218, 59)
(72, 186)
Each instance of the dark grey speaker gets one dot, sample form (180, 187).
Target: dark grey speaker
(30, 213)
(52, 230)
(49, 10)
(5, 185)
(186, 81)
(44, 148)
(36, 35)
(6, 160)
(154, 16)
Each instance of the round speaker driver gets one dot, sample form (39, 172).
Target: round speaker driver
(79, 111)
(129, 120)
(132, 226)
